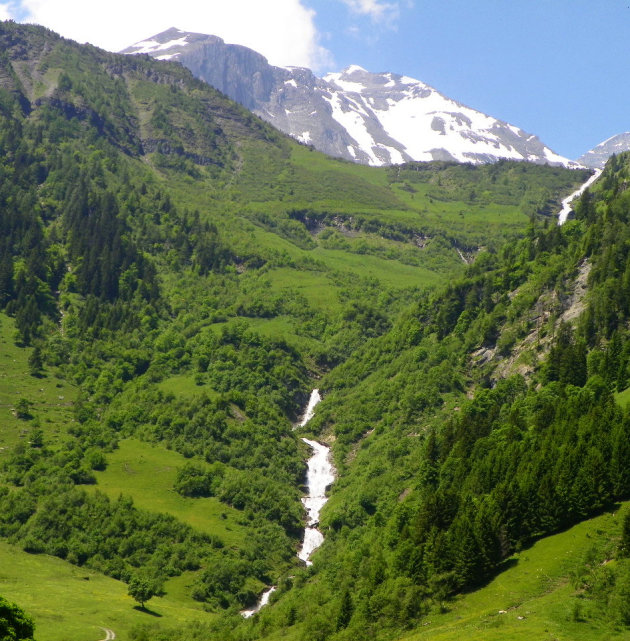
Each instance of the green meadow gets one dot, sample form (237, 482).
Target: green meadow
(147, 473)
(70, 602)
(49, 397)
(534, 598)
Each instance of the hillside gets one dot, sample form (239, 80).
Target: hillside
(176, 275)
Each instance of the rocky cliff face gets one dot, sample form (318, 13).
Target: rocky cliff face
(596, 158)
(376, 119)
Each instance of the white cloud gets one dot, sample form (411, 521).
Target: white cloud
(284, 31)
(378, 10)
(5, 11)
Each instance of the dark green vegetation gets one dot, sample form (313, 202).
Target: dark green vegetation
(176, 275)
(15, 624)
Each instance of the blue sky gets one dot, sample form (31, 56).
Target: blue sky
(556, 68)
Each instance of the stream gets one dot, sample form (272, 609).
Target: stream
(563, 214)
(319, 476)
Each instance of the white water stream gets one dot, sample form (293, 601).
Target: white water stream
(319, 476)
(563, 214)
(264, 599)
(310, 408)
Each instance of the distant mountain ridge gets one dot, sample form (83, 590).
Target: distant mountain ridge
(596, 158)
(370, 118)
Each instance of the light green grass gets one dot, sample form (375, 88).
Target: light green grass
(389, 272)
(183, 385)
(537, 589)
(316, 287)
(623, 398)
(51, 398)
(69, 602)
(146, 473)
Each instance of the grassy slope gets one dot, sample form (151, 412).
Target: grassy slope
(69, 602)
(147, 473)
(50, 397)
(537, 588)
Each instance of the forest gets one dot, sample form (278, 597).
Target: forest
(176, 276)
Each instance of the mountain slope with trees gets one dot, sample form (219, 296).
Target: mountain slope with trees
(184, 274)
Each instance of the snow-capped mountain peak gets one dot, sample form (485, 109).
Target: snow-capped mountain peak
(371, 118)
(596, 158)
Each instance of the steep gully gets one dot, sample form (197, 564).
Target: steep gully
(319, 476)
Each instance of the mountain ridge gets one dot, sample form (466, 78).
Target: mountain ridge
(597, 157)
(370, 118)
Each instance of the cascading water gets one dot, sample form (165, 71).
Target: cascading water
(563, 214)
(319, 476)
(264, 599)
(310, 408)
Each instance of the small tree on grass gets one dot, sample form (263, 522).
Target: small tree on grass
(23, 409)
(141, 590)
(35, 362)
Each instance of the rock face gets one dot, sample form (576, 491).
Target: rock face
(596, 158)
(370, 118)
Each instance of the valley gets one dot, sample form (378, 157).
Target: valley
(177, 276)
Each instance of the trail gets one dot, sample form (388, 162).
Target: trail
(110, 635)
(563, 214)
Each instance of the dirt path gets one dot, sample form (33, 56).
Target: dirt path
(110, 635)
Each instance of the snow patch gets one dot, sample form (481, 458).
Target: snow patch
(354, 124)
(305, 137)
(151, 46)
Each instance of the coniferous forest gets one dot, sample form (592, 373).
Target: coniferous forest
(176, 276)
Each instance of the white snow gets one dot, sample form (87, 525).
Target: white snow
(305, 137)
(395, 157)
(151, 46)
(407, 116)
(346, 85)
(353, 68)
(354, 124)
(167, 56)
(601, 144)
(410, 119)
(291, 82)
(351, 151)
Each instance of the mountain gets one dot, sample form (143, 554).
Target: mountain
(176, 276)
(596, 158)
(370, 118)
